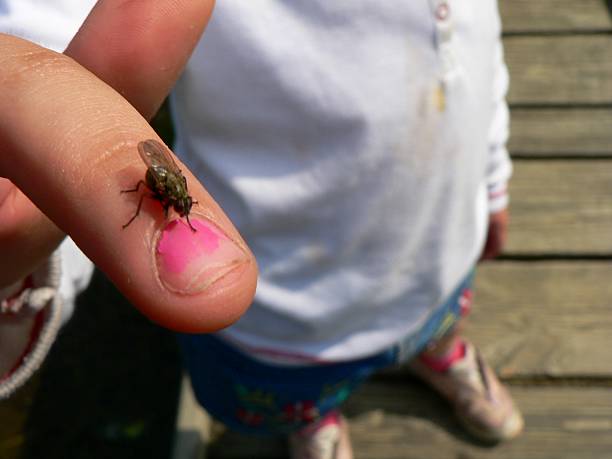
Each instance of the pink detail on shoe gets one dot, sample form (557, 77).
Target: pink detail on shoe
(326, 439)
(441, 364)
(331, 418)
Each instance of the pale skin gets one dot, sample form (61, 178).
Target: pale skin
(73, 121)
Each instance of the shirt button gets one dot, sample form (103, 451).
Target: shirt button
(442, 11)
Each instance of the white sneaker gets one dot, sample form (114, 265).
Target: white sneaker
(482, 404)
(327, 439)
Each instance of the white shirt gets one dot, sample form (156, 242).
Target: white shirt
(318, 125)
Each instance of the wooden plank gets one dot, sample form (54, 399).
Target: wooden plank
(561, 207)
(544, 318)
(560, 69)
(559, 132)
(554, 15)
(405, 420)
(399, 420)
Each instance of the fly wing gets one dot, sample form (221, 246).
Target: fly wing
(157, 157)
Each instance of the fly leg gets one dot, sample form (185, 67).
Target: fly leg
(189, 223)
(137, 208)
(140, 182)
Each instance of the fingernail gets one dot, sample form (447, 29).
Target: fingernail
(192, 261)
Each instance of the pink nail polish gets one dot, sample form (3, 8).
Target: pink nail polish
(190, 262)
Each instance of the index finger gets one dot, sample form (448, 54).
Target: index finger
(146, 45)
(70, 144)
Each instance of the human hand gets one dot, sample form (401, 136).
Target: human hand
(69, 145)
(497, 235)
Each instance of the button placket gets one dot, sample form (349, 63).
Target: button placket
(443, 41)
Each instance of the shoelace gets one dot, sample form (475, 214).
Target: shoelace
(483, 376)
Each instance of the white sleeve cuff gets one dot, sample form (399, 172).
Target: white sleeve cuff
(498, 197)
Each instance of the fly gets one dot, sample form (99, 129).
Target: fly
(164, 180)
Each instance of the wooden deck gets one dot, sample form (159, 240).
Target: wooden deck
(543, 313)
